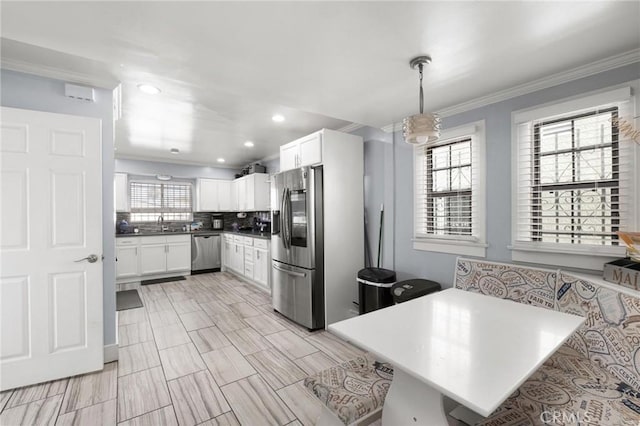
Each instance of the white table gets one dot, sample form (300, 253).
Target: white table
(472, 348)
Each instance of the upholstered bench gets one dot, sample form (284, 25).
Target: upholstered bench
(594, 378)
(352, 392)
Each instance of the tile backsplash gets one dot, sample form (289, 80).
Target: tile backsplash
(230, 218)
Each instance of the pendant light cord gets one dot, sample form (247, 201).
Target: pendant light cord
(421, 92)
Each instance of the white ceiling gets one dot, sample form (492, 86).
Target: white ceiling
(225, 68)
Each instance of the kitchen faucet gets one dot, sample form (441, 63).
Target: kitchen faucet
(160, 222)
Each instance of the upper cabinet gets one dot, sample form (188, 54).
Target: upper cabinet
(252, 192)
(213, 195)
(306, 151)
(121, 192)
(248, 193)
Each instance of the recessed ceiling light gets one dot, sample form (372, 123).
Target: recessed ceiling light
(163, 177)
(278, 118)
(148, 89)
(248, 144)
(174, 151)
(220, 160)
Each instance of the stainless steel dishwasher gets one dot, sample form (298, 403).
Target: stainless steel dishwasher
(205, 252)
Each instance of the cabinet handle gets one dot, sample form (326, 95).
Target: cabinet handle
(257, 254)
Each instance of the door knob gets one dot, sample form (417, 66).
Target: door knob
(92, 258)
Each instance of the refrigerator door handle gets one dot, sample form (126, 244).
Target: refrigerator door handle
(283, 214)
(289, 226)
(286, 271)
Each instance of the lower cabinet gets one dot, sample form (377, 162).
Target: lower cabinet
(152, 255)
(261, 266)
(248, 257)
(127, 253)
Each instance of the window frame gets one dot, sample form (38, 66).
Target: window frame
(160, 211)
(464, 245)
(582, 256)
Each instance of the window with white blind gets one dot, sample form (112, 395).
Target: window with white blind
(150, 200)
(449, 193)
(574, 181)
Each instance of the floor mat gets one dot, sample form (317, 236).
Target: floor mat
(162, 280)
(127, 299)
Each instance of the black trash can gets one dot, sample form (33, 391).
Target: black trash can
(403, 291)
(374, 288)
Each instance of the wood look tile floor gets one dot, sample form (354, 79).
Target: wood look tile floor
(206, 351)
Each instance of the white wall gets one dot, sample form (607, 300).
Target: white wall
(438, 266)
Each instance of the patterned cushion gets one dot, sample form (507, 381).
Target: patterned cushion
(610, 336)
(520, 284)
(352, 389)
(579, 394)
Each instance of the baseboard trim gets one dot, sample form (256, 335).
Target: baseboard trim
(110, 353)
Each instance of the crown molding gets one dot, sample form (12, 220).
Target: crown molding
(350, 128)
(597, 67)
(58, 73)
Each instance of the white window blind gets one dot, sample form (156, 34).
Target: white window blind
(149, 200)
(575, 178)
(449, 188)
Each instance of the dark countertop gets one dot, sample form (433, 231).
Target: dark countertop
(155, 233)
(253, 234)
(248, 233)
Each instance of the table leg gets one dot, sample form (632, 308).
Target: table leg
(412, 402)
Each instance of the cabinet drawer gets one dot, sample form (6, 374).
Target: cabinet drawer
(178, 238)
(248, 255)
(127, 241)
(228, 238)
(238, 239)
(153, 240)
(260, 243)
(248, 241)
(248, 270)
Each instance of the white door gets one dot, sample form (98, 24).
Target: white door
(207, 195)
(51, 205)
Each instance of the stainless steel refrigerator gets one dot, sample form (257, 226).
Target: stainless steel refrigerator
(297, 246)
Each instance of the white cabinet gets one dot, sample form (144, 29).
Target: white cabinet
(289, 156)
(306, 151)
(127, 264)
(237, 257)
(248, 257)
(252, 192)
(227, 248)
(224, 196)
(152, 255)
(261, 263)
(178, 255)
(213, 195)
(121, 188)
(153, 258)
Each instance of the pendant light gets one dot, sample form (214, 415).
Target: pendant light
(421, 128)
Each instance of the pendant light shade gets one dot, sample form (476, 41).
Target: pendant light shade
(421, 128)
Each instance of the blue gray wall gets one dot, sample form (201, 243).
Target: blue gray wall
(438, 266)
(43, 94)
(151, 168)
